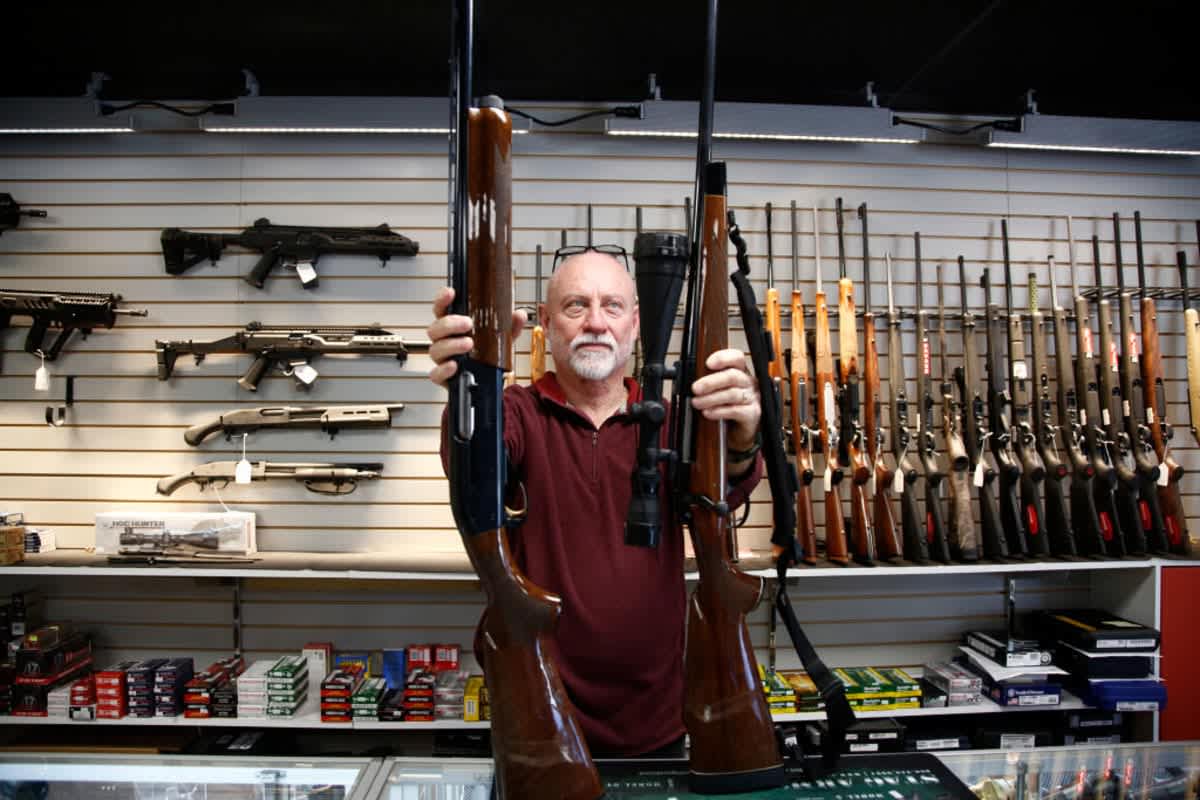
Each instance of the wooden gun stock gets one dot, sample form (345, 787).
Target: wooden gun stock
(887, 542)
(857, 447)
(538, 746)
(806, 529)
(836, 549)
(725, 711)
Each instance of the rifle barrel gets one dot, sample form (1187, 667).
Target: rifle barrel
(866, 257)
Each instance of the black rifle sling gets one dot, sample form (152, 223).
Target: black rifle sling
(784, 485)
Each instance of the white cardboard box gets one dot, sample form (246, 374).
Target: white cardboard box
(232, 531)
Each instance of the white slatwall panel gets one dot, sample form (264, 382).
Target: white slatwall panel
(109, 197)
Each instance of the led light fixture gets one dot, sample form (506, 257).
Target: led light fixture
(760, 121)
(1098, 135)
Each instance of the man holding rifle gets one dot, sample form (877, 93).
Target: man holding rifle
(572, 443)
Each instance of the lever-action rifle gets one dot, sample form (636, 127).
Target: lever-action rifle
(1085, 517)
(330, 419)
(537, 336)
(964, 544)
(1001, 429)
(806, 529)
(905, 478)
(1126, 493)
(1140, 393)
(887, 542)
(1087, 382)
(856, 448)
(1024, 442)
(65, 312)
(836, 549)
(1167, 531)
(316, 477)
(11, 212)
(537, 744)
(935, 518)
(289, 349)
(1045, 431)
(298, 246)
(976, 432)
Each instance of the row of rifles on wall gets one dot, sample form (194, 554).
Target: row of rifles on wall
(1084, 472)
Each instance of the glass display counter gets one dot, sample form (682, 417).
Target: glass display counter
(1093, 772)
(35, 776)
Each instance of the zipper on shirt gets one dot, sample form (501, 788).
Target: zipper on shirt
(595, 449)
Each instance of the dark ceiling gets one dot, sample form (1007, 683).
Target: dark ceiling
(969, 56)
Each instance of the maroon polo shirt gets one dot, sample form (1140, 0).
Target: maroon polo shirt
(619, 642)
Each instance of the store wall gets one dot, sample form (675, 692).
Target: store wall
(109, 197)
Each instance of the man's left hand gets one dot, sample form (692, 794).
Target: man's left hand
(729, 392)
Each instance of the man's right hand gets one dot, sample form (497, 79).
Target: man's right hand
(449, 335)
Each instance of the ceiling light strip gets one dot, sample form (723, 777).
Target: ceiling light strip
(1147, 151)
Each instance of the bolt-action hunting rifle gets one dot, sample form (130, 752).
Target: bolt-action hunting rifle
(887, 541)
(1072, 419)
(1191, 331)
(1001, 429)
(1137, 409)
(960, 532)
(935, 518)
(1045, 431)
(1024, 441)
(854, 442)
(11, 212)
(1087, 382)
(1129, 527)
(806, 529)
(836, 549)
(537, 744)
(905, 477)
(976, 432)
(1168, 529)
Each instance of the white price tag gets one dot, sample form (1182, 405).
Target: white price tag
(305, 374)
(1083, 416)
(1164, 477)
(1020, 370)
(1150, 415)
(978, 479)
(41, 379)
(1105, 417)
(1125, 408)
(898, 482)
(826, 478)
(829, 407)
(242, 472)
(871, 483)
(306, 273)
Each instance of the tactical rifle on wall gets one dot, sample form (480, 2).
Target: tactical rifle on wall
(976, 431)
(11, 212)
(1001, 430)
(298, 246)
(1021, 405)
(1045, 431)
(905, 477)
(960, 531)
(330, 419)
(537, 744)
(935, 518)
(289, 349)
(836, 549)
(806, 529)
(856, 451)
(1167, 531)
(65, 312)
(887, 542)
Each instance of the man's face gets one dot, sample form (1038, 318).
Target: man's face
(590, 316)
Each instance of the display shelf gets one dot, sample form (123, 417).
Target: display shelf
(1069, 703)
(455, 567)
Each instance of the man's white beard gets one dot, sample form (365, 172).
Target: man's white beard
(597, 365)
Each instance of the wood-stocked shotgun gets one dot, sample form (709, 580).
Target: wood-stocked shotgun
(905, 477)
(856, 449)
(1129, 527)
(537, 336)
(1168, 531)
(887, 540)
(806, 529)
(1085, 516)
(1191, 319)
(836, 549)
(1046, 427)
(1024, 442)
(537, 744)
(960, 531)
(976, 432)
(935, 516)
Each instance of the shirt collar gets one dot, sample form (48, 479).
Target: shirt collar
(550, 389)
